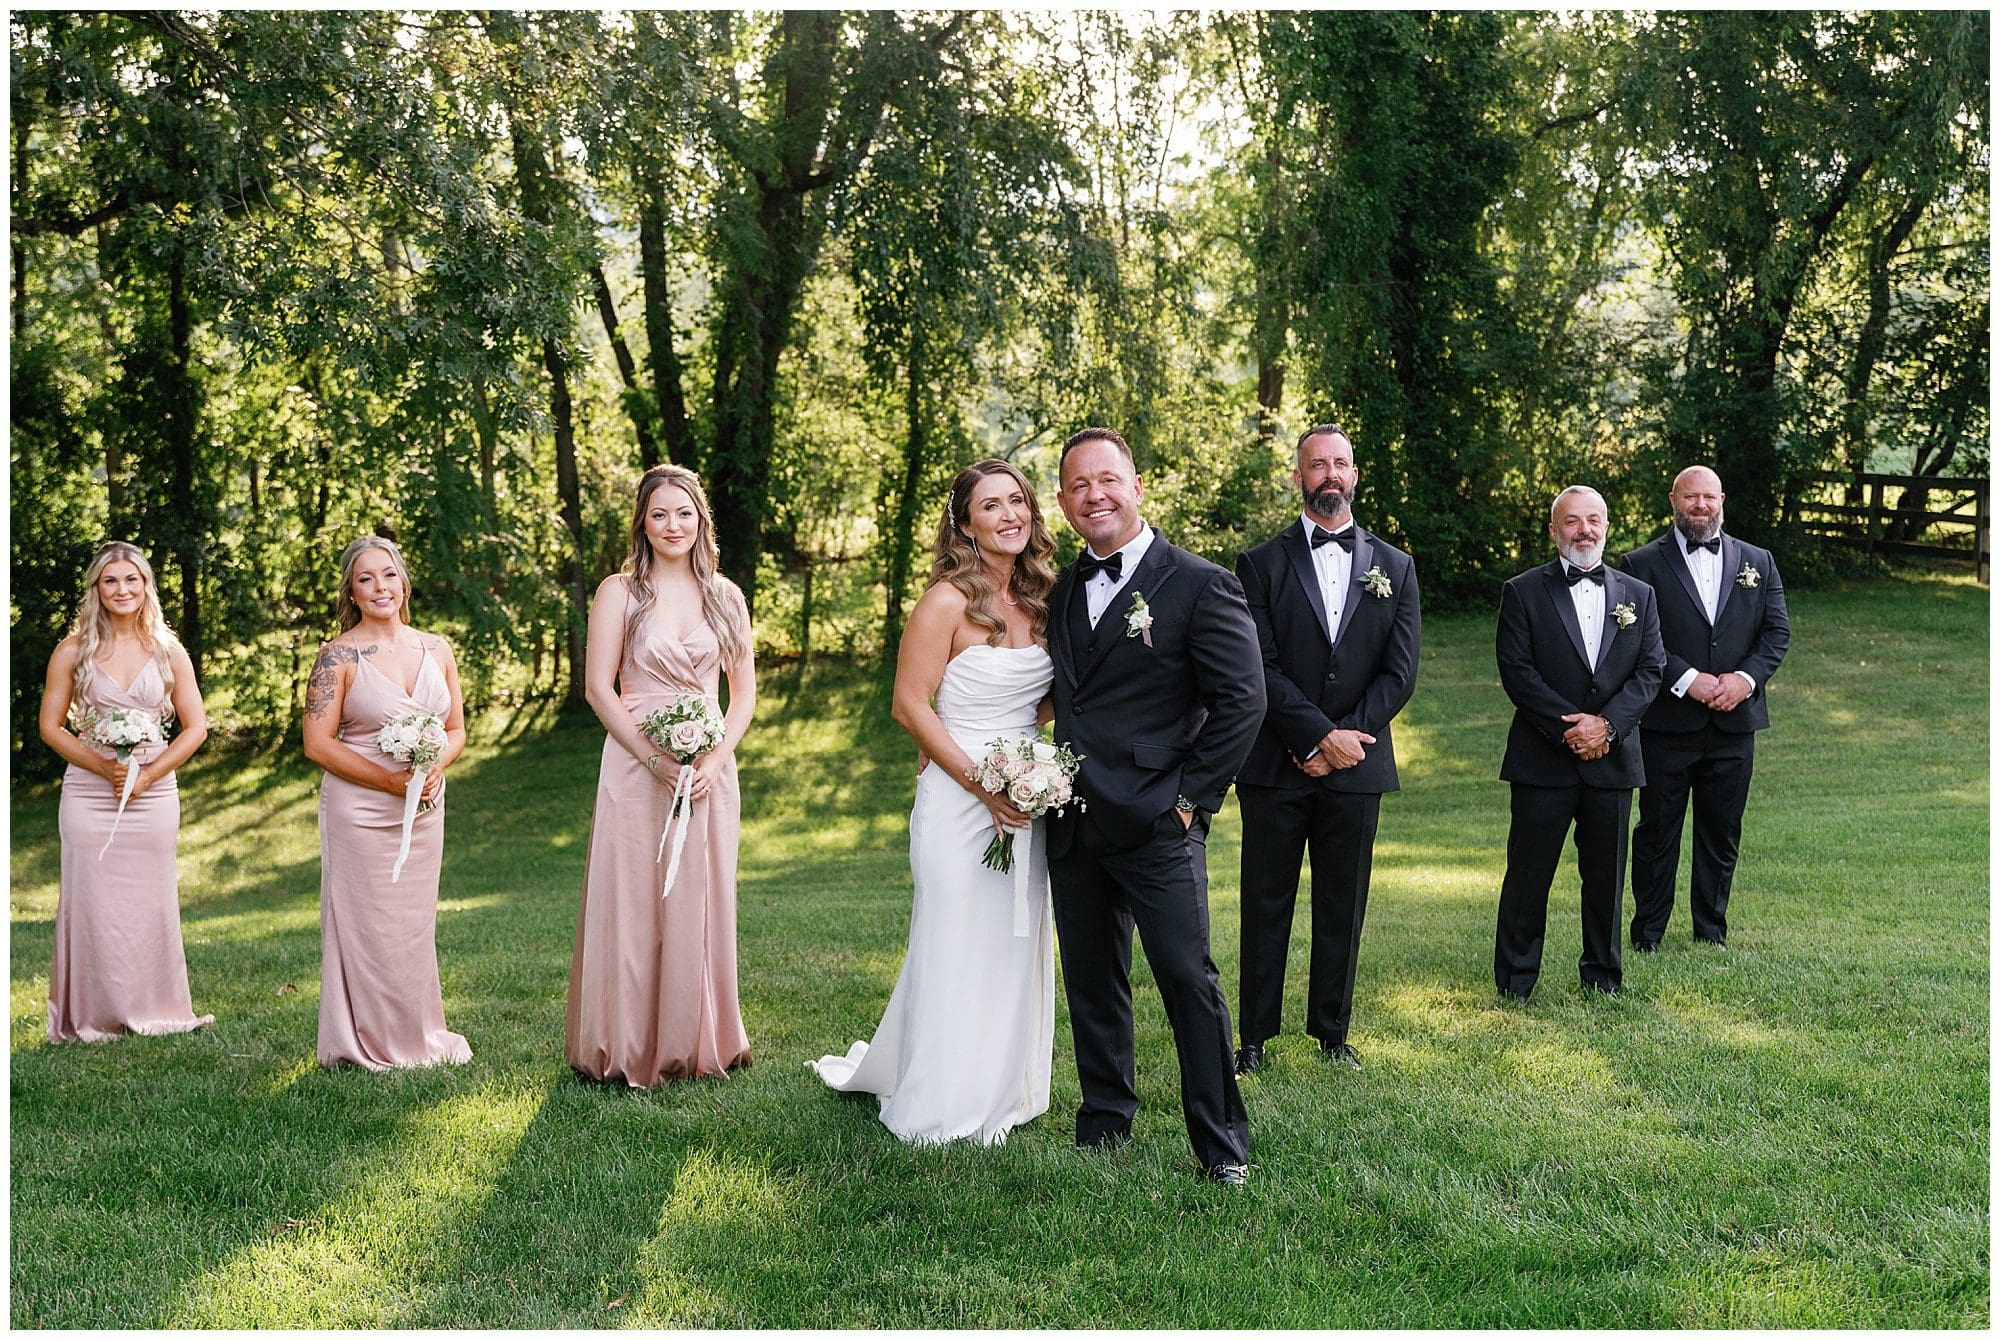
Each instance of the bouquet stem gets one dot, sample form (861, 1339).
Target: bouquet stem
(999, 853)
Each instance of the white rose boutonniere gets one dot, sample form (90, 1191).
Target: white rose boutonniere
(1625, 615)
(1139, 619)
(1376, 583)
(1749, 577)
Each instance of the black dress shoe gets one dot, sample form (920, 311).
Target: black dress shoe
(1602, 989)
(1508, 993)
(1339, 1053)
(1645, 946)
(1228, 1174)
(1250, 1059)
(1104, 1140)
(1715, 940)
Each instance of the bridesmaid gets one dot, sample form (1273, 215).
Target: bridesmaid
(119, 966)
(652, 986)
(380, 1005)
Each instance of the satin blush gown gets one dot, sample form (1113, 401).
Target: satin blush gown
(964, 1048)
(380, 1004)
(652, 983)
(119, 966)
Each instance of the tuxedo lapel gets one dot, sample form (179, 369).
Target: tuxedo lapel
(1298, 551)
(1066, 593)
(1363, 553)
(1558, 594)
(1732, 563)
(1672, 555)
(1147, 579)
(1614, 596)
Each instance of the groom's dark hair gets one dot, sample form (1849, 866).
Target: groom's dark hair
(1082, 435)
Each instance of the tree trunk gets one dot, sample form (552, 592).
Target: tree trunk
(635, 399)
(570, 493)
(664, 363)
(916, 450)
(189, 529)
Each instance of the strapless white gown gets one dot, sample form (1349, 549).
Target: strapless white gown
(963, 1050)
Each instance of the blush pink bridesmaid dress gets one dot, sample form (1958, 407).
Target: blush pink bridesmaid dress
(652, 985)
(119, 967)
(380, 1004)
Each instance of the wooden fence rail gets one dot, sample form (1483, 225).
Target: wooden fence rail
(1897, 514)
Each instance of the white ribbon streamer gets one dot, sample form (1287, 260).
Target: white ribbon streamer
(131, 780)
(411, 794)
(1024, 852)
(683, 811)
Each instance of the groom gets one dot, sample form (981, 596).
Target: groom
(1159, 687)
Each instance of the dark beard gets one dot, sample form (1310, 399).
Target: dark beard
(1695, 536)
(1326, 502)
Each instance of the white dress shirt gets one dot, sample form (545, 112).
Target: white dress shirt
(1333, 565)
(1706, 569)
(1100, 590)
(1588, 597)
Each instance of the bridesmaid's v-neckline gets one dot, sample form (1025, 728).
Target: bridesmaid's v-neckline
(104, 668)
(410, 692)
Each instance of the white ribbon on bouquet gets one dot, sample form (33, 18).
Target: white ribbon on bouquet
(412, 793)
(683, 810)
(1023, 858)
(125, 756)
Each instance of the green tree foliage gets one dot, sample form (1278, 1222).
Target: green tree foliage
(281, 278)
(1765, 132)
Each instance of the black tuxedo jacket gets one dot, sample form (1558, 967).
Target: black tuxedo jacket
(1315, 681)
(1542, 667)
(1154, 722)
(1750, 633)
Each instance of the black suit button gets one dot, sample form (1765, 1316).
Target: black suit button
(1330, 676)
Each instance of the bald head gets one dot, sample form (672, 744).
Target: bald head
(1697, 502)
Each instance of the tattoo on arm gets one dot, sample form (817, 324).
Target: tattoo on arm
(319, 687)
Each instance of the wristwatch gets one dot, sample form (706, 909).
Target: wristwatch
(1184, 805)
(1610, 732)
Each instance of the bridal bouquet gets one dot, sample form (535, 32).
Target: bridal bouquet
(121, 730)
(1035, 776)
(417, 739)
(687, 728)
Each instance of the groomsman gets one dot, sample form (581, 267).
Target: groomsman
(1580, 656)
(1723, 622)
(1337, 616)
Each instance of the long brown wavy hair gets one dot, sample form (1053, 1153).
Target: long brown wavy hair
(722, 605)
(957, 557)
(92, 625)
(346, 607)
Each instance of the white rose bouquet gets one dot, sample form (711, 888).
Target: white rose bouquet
(417, 739)
(687, 728)
(1037, 777)
(121, 730)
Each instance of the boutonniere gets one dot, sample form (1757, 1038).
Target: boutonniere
(1139, 619)
(1376, 583)
(1625, 615)
(1749, 577)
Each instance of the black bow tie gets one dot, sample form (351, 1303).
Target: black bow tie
(1088, 566)
(1713, 544)
(1574, 574)
(1343, 538)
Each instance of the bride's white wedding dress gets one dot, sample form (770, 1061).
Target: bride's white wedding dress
(964, 1049)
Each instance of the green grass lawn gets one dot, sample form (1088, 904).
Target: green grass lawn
(1788, 1132)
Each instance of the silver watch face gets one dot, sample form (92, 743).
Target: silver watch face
(1184, 805)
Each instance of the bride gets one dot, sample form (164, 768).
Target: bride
(963, 1050)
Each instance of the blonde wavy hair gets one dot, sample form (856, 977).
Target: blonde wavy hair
(957, 556)
(92, 625)
(346, 607)
(722, 605)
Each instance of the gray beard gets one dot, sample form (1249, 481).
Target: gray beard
(1695, 534)
(1327, 506)
(1574, 555)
